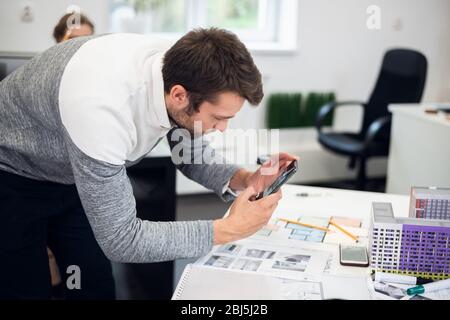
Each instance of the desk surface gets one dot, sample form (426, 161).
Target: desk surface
(334, 202)
(327, 201)
(337, 202)
(418, 111)
(418, 154)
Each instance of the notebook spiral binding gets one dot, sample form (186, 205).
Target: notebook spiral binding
(182, 283)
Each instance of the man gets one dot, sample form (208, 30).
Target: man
(73, 119)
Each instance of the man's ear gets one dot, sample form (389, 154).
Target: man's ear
(179, 97)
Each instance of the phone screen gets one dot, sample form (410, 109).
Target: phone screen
(354, 254)
(282, 179)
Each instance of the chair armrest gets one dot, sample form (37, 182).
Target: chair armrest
(375, 127)
(327, 108)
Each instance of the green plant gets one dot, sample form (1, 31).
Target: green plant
(273, 113)
(330, 97)
(315, 101)
(309, 110)
(283, 110)
(289, 110)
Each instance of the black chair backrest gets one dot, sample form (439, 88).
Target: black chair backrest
(401, 80)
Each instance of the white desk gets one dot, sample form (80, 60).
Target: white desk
(348, 203)
(334, 202)
(420, 149)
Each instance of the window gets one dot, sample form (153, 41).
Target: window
(261, 24)
(253, 20)
(148, 16)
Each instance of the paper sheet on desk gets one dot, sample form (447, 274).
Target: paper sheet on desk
(281, 261)
(345, 287)
(438, 295)
(285, 233)
(199, 283)
(337, 236)
(347, 222)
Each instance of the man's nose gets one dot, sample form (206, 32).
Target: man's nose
(221, 126)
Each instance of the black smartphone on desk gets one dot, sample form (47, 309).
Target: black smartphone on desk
(290, 170)
(353, 256)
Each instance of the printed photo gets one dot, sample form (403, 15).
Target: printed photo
(260, 254)
(219, 261)
(247, 265)
(231, 248)
(298, 258)
(290, 266)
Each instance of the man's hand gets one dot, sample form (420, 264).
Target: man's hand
(246, 217)
(264, 176)
(269, 171)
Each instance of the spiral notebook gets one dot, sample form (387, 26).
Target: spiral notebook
(201, 283)
(207, 283)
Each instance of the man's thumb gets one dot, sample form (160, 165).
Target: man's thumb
(247, 194)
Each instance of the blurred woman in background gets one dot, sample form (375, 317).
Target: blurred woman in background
(72, 25)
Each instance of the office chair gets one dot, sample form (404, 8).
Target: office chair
(401, 80)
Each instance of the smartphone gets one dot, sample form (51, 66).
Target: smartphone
(282, 179)
(355, 256)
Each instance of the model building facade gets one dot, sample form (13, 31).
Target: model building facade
(430, 203)
(417, 247)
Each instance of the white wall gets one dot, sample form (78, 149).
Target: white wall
(336, 51)
(37, 35)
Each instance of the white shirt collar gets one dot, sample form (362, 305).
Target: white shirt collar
(158, 92)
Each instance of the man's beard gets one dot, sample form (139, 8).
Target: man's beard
(182, 119)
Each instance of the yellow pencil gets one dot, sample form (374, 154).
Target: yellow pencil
(344, 231)
(305, 224)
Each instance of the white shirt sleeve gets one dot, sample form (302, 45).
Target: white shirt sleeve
(226, 188)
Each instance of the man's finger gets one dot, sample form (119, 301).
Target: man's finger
(246, 194)
(272, 208)
(281, 159)
(268, 201)
(287, 156)
(284, 164)
(267, 212)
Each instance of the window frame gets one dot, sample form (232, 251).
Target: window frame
(279, 35)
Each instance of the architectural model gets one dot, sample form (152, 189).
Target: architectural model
(430, 203)
(418, 247)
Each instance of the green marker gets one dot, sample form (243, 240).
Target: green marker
(429, 287)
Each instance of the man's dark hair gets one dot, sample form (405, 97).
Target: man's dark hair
(60, 29)
(207, 62)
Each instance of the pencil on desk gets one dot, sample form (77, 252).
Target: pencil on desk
(305, 224)
(344, 231)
